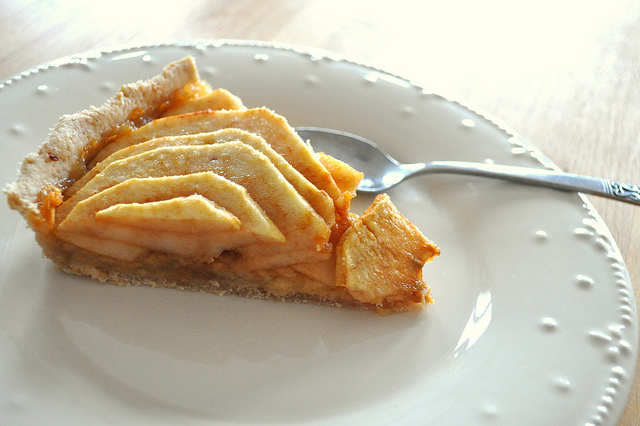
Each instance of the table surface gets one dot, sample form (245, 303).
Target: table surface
(564, 74)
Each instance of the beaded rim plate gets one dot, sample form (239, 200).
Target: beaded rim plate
(534, 320)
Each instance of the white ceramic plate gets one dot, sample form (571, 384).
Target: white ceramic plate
(534, 320)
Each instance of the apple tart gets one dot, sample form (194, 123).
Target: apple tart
(173, 184)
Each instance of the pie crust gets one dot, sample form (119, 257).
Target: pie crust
(173, 184)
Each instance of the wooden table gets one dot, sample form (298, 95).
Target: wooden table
(564, 74)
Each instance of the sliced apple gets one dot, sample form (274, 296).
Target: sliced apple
(99, 245)
(215, 100)
(380, 257)
(346, 177)
(305, 231)
(171, 219)
(107, 237)
(261, 121)
(192, 214)
(319, 200)
(225, 193)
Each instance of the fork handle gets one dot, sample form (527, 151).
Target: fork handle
(565, 181)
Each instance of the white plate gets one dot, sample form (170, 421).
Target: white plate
(534, 320)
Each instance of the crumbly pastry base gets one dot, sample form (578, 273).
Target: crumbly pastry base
(154, 272)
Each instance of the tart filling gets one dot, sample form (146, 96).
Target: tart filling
(171, 183)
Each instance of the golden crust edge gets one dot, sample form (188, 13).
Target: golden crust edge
(65, 143)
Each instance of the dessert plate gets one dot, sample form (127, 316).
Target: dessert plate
(534, 320)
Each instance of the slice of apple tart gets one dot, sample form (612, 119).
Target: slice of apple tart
(173, 184)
